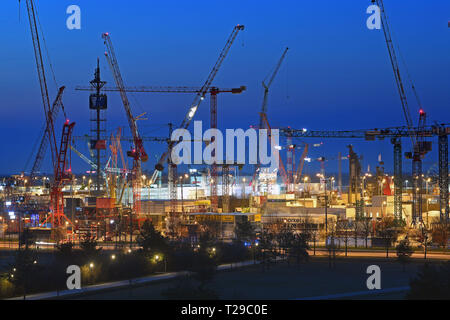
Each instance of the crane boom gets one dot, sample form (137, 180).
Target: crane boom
(42, 81)
(263, 113)
(160, 89)
(269, 83)
(199, 97)
(395, 68)
(112, 60)
(301, 164)
(46, 133)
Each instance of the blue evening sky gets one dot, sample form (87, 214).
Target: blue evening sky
(337, 73)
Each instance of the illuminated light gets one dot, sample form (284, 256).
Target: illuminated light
(277, 147)
(192, 112)
(304, 130)
(91, 265)
(34, 261)
(113, 257)
(8, 203)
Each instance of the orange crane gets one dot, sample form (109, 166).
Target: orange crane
(138, 152)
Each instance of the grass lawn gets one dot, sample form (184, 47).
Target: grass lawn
(282, 281)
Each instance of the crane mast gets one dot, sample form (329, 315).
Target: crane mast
(138, 153)
(418, 144)
(199, 97)
(263, 113)
(112, 60)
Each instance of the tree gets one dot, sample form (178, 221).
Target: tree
(343, 227)
(331, 246)
(204, 268)
(386, 229)
(432, 282)
(151, 240)
(88, 246)
(440, 234)
(212, 227)
(23, 269)
(26, 238)
(265, 248)
(356, 229)
(404, 252)
(245, 231)
(366, 228)
(299, 248)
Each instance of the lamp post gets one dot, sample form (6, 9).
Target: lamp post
(426, 182)
(182, 201)
(305, 180)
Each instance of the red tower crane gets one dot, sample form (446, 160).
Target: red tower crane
(59, 158)
(420, 147)
(138, 152)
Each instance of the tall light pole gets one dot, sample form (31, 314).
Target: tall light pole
(305, 180)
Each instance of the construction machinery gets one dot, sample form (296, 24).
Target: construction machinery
(419, 146)
(213, 92)
(62, 171)
(395, 134)
(266, 83)
(200, 96)
(51, 111)
(138, 153)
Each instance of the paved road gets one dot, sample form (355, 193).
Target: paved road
(382, 254)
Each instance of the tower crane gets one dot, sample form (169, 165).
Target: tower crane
(138, 153)
(263, 113)
(420, 148)
(213, 91)
(49, 131)
(62, 172)
(200, 96)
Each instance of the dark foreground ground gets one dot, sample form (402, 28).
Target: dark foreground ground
(311, 279)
